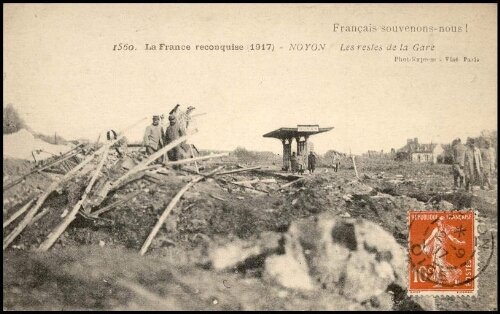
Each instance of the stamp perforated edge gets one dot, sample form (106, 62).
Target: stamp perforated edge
(438, 293)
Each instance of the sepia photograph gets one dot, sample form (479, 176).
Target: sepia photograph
(250, 157)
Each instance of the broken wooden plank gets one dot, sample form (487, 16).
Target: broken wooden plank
(18, 213)
(354, 163)
(54, 235)
(292, 183)
(246, 181)
(31, 213)
(188, 160)
(144, 164)
(229, 182)
(40, 215)
(217, 197)
(239, 170)
(170, 206)
(192, 154)
(113, 205)
(17, 181)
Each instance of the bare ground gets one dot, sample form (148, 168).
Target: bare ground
(95, 263)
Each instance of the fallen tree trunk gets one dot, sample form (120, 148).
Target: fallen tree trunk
(29, 216)
(170, 206)
(54, 235)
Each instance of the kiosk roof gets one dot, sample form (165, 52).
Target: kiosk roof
(284, 133)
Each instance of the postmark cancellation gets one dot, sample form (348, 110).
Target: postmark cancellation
(443, 253)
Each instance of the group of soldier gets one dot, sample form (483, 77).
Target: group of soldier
(473, 165)
(297, 163)
(156, 136)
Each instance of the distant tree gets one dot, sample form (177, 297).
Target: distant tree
(332, 154)
(12, 122)
(492, 135)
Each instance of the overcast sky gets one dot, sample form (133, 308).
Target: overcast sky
(62, 75)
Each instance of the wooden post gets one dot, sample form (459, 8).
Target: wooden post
(169, 208)
(354, 163)
(54, 235)
(195, 163)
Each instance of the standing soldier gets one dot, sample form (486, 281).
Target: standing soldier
(153, 138)
(458, 162)
(311, 162)
(174, 131)
(488, 155)
(473, 165)
(293, 162)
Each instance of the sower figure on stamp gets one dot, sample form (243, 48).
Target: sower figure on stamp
(153, 138)
(435, 246)
(458, 163)
(489, 157)
(473, 164)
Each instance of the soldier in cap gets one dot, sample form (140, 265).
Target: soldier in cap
(488, 155)
(311, 162)
(473, 165)
(174, 131)
(458, 162)
(153, 138)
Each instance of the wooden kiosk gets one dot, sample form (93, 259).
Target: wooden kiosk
(301, 135)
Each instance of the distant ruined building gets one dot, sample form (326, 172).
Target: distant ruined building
(416, 152)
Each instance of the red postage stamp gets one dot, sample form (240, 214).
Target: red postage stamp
(442, 253)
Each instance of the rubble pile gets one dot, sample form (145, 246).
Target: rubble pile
(330, 238)
(354, 259)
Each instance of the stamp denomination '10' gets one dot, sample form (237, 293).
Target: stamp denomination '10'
(442, 253)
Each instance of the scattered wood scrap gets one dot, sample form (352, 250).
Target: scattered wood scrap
(170, 206)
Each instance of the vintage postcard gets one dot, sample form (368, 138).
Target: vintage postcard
(250, 156)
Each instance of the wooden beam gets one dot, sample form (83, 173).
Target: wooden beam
(31, 213)
(354, 163)
(188, 160)
(170, 206)
(144, 164)
(18, 213)
(40, 215)
(113, 205)
(239, 170)
(54, 235)
(14, 183)
(292, 183)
